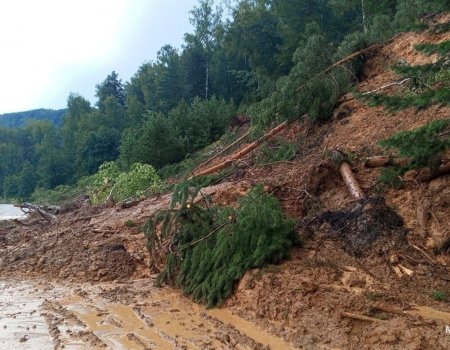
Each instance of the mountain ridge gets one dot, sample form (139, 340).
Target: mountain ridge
(18, 119)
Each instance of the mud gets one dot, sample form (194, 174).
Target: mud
(21, 324)
(79, 316)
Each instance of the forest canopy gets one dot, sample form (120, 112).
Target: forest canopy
(248, 56)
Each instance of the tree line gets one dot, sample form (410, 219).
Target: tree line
(247, 56)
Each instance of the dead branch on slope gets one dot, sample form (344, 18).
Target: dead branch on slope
(29, 208)
(339, 63)
(242, 152)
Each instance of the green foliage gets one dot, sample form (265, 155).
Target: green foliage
(442, 48)
(164, 140)
(61, 194)
(130, 223)
(424, 145)
(214, 247)
(421, 101)
(153, 142)
(440, 295)
(111, 87)
(391, 177)
(20, 119)
(282, 150)
(265, 57)
(306, 91)
(428, 84)
(112, 183)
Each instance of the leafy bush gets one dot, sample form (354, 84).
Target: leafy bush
(111, 183)
(163, 140)
(214, 247)
(62, 193)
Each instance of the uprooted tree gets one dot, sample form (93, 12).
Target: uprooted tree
(206, 249)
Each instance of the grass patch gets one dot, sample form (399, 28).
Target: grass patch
(130, 223)
(439, 295)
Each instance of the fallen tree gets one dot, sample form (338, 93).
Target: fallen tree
(241, 153)
(350, 181)
(29, 208)
(380, 161)
(341, 162)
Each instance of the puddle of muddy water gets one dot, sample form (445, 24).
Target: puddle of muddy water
(167, 320)
(163, 319)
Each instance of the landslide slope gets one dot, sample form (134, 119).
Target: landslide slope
(314, 299)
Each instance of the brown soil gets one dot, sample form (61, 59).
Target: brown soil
(378, 258)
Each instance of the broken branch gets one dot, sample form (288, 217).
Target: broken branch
(360, 317)
(242, 152)
(386, 86)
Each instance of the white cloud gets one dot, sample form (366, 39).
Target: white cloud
(42, 40)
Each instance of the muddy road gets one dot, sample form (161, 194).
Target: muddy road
(129, 315)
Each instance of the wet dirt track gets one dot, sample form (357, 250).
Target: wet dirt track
(129, 315)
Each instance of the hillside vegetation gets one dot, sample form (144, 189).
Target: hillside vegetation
(263, 59)
(20, 119)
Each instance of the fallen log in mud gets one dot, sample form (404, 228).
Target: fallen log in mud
(360, 317)
(350, 181)
(380, 161)
(29, 208)
(426, 175)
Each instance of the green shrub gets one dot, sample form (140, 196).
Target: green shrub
(130, 223)
(440, 295)
(306, 90)
(283, 151)
(62, 193)
(442, 48)
(424, 145)
(112, 183)
(213, 247)
(391, 177)
(421, 101)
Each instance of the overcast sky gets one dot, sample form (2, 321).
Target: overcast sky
(50, 48)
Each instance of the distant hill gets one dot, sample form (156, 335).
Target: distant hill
(18, 119)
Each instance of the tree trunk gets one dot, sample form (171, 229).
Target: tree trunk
(242, 152)
(350, 181)
(364, 16)
(425, 175)
(379, 161)
(29, 208)
(207, 80)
